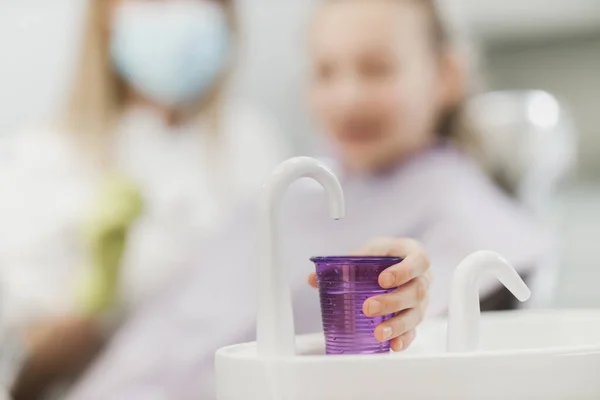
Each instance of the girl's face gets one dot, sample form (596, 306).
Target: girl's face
(378, 82)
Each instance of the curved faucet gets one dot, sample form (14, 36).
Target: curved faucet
(275, 322)
(464, 312)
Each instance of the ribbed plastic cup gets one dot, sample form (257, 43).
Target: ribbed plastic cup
(345, 283)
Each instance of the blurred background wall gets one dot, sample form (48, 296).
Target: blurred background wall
(541, 44)
(37, 44)
(535, 44)
(568, 67)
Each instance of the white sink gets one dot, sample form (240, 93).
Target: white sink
(525, 356)
(518, 331)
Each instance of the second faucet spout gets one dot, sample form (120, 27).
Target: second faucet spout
(464, 312)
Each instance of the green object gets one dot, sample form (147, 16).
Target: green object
(117, 207)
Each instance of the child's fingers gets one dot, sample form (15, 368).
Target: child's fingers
(413, 266)
(399, 325)
(401, 343)
(312, 280)
(408, 296)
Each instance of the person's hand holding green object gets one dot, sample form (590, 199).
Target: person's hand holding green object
(115, 210)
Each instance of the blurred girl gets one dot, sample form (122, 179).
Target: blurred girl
(389, 87)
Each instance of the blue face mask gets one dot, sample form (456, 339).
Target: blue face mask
(172, 51)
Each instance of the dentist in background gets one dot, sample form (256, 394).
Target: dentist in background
(148, 103)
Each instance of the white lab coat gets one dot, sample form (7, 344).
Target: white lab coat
(47, 189)
(440, 197)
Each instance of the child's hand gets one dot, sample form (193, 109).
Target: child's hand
(409, 302)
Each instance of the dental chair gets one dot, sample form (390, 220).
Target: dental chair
(529, 145)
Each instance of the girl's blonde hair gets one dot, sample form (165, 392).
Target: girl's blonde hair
(99, 94)
(454, 124)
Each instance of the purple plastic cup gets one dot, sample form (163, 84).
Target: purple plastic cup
(345, 283)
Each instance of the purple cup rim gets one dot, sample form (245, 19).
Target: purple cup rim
(356, 259)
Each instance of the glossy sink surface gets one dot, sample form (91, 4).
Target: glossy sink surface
(522, 330)
(501, 334)
(525, 355)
